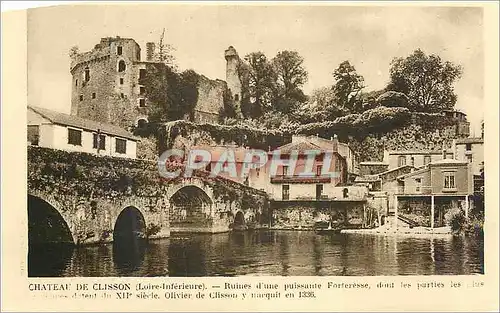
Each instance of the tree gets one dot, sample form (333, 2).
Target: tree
(426, 80)
(393, 99)
(348, 85)
(290, 77)
(261, 78)
(74, 51)
(165, 52)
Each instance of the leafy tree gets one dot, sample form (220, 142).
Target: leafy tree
(393, 99)
(261, 78)
(290, 77)
(348, 85)
(172, 95)
(426, 80)
(164, 52)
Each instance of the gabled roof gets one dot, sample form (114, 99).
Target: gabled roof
(78, 122)
(298, 146)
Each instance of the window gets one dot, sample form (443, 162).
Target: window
(142, 73)
(236, 97)
(412, 160)
(418, 184)
(93, 95)
(469, 158)
(76, 82)
(141, 123)
(33, 134)
(81, 97)
(401, 160)
(99, 142)
(285, 170)
(318, 170)
(121, 66)
(121, 81)
(449, 180)
(74, 137)
(319, 191)
(87, 74)
(427, 159)
(121, 146)
(345, 193)
(468, 146)
(119, 50)
(142, 90)
(257, 171)
(285, 192)
(142, 102)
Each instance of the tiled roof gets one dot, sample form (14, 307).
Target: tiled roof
(217, 151)
(298, 146)
(78, 122)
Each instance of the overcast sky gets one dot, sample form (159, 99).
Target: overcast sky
(369, 37)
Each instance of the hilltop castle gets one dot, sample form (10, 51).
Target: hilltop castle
(108, 84)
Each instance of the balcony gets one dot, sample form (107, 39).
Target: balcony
(300, 180)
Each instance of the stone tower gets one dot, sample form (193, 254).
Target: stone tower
(106, 83)
(232, 75)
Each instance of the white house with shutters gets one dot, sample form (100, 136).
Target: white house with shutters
(51, 129)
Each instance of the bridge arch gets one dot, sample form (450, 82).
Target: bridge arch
(190, 209)
(46, 224)
(130, 224)
(239, 222)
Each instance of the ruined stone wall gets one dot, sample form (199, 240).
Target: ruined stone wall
(304, 215)
(210, 100)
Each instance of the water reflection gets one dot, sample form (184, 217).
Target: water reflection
(292, 253)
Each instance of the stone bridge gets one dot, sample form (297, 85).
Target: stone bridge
(82, 198)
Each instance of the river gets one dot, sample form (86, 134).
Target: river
(285, 253)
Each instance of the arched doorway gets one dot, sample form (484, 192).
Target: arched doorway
(239, 221)
(50, 242)
(190, 210)
(142, 123)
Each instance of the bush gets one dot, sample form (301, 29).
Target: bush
(455, 218)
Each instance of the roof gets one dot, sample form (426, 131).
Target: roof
(298, 146)
(420, 171)
(395, 169)
(366, 178)
(78, 122)
(373, 163)
(217, 151)
(447, 161)
(417, 152)
(470, 140)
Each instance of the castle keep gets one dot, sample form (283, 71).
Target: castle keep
(108, 85)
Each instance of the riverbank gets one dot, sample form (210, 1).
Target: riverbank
(402, 231)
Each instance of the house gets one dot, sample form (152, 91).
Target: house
(415, 158)
(426, 194)
(470, 150)
(328, 179)
(51, 129)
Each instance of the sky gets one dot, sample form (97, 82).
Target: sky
(325, 35)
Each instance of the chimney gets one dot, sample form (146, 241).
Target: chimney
(335, 143)
(150, 51)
